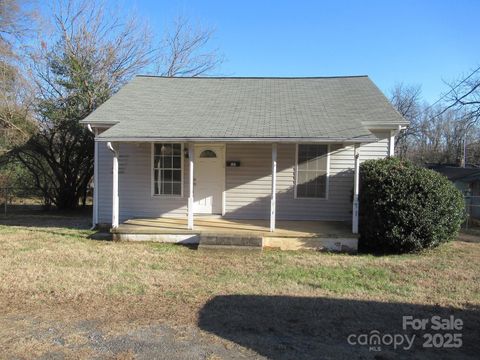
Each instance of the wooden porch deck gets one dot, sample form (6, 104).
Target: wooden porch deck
(289, 235)
(230, 226)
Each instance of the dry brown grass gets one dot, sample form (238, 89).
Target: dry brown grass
(52, 266)
(60, 273)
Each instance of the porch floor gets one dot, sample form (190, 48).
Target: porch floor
(220, 233)
(229, 226)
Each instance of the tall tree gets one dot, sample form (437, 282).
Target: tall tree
(185, 50)
(406, 100)
(436, 132)
(438, 139)
(16, 23)
(16, 123)
(464, 96)
(92, 55)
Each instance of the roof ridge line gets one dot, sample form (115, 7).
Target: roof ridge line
(252, 77)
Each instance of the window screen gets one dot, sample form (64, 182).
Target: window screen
(312, 171)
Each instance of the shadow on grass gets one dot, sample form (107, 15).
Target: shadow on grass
(101, 235)
(285, 327)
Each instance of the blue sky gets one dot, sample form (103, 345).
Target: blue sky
(415, 42)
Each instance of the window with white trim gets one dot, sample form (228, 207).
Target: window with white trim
(167, 169)
(312, 170)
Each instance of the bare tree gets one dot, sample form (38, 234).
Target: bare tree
(16, 122)
(438, 137)
(185, 51)
(15, 23)
(436, 132)
(114, 49)
(464, 96)
(88, 57)
(406, 100)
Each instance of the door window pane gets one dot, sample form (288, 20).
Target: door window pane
(208, 154)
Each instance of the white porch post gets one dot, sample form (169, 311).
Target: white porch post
(274, 187)
(356, 184)
(391, 143)
(190, 183)
(95, 183)
(115, 207)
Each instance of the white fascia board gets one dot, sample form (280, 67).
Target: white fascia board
(98, 124)
(377, 126)
(252, 140)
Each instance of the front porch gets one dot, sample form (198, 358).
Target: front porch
(222, 232)
(202, 179)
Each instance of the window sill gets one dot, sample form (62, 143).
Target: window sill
(159, 196)
(311, 198)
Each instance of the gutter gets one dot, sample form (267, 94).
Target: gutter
(106, 124)
(250, 139)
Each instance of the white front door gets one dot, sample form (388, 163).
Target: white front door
(209, 179)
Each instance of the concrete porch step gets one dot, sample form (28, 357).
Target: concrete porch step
(230, 241)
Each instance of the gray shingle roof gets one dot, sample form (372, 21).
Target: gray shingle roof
(245, 108)
(455, 173)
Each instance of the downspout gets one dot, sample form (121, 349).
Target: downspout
(111, 148)
(391, 141)
(273, 196)
(356, 187)
(400, 128)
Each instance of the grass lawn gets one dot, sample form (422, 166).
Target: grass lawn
(51, 271)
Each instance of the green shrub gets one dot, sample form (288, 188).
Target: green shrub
(406, 208)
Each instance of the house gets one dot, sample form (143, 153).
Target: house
(252, 151)
(467, 180)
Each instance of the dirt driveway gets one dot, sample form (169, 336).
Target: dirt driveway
(237, 327)
(89, 339)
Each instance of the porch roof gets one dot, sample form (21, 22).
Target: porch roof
(251, 109)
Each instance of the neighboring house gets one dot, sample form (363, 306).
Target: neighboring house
(465, 179)
(240, 148)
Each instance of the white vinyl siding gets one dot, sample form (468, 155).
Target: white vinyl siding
(135, 185)
(249, 186)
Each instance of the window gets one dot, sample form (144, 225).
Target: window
(312, 169)
(167, 169)
(208, 154)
